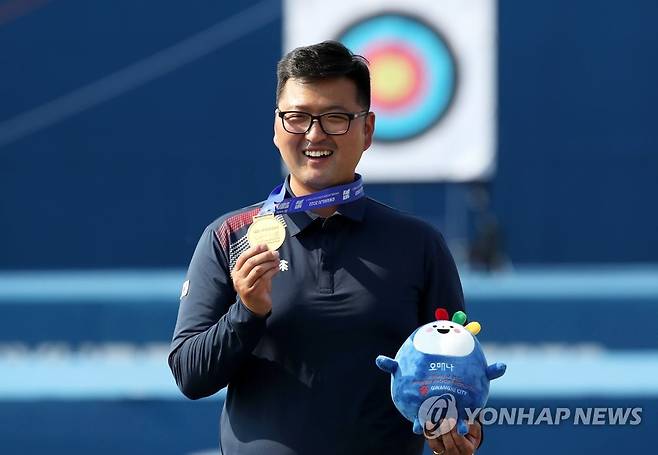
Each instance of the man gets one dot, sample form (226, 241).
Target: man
(294, 333)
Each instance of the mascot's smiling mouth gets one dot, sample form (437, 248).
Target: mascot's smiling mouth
(443, 331)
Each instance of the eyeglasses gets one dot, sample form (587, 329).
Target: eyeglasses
(332, 123)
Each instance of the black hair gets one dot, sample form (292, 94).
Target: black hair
(327, 59)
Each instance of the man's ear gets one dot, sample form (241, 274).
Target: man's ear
(369, 130)
(275, 138)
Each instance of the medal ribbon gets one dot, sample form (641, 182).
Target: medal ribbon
(336, 195)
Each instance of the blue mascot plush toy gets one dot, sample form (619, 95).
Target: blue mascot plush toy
(439, 372)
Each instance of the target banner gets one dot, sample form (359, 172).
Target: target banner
(432, 65)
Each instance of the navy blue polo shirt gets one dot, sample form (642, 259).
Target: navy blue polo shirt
(303, 380)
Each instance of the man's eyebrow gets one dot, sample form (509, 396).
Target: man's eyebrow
(332, 108)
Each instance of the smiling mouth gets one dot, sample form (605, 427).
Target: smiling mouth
(443, 331)
(318, 153)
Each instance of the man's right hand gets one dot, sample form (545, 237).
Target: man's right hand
(252, 278)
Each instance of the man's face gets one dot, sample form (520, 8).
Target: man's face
(309, 173)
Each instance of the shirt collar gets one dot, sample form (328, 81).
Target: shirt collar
(299, 221)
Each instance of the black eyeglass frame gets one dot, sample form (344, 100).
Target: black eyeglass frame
(350, 115)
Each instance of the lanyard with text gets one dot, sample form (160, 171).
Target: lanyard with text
(268, 230)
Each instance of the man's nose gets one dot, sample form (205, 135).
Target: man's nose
(315, 132)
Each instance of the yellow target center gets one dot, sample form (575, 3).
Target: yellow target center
(392, 78)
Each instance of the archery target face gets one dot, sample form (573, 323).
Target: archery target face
(413, 73)
(433, 69)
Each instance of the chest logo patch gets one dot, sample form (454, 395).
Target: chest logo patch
(186, 289)
(283, 265)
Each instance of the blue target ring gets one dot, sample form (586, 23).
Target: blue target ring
(413, 70)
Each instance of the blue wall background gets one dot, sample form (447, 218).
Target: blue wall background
(578, 168)
(133, 180)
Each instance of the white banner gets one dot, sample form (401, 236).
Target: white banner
(433, 69)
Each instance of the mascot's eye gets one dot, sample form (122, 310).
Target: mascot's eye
(434, 326)
(451, 327)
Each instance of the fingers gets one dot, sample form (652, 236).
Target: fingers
(249, 254)
(259, 271)
(449, 444)
(267, 278)
(456, 444)
(452, 443)
(246, 255)
(252, 278)
(474, 435)
(472, 440)
(436, 445)
(253, 257)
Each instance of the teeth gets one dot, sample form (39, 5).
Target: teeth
(317, 153)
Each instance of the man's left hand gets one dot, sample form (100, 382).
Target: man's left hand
(452, 443)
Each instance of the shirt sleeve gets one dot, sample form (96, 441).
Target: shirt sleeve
(214, 331)
(443, 287)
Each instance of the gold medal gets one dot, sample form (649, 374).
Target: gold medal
(268, 230)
